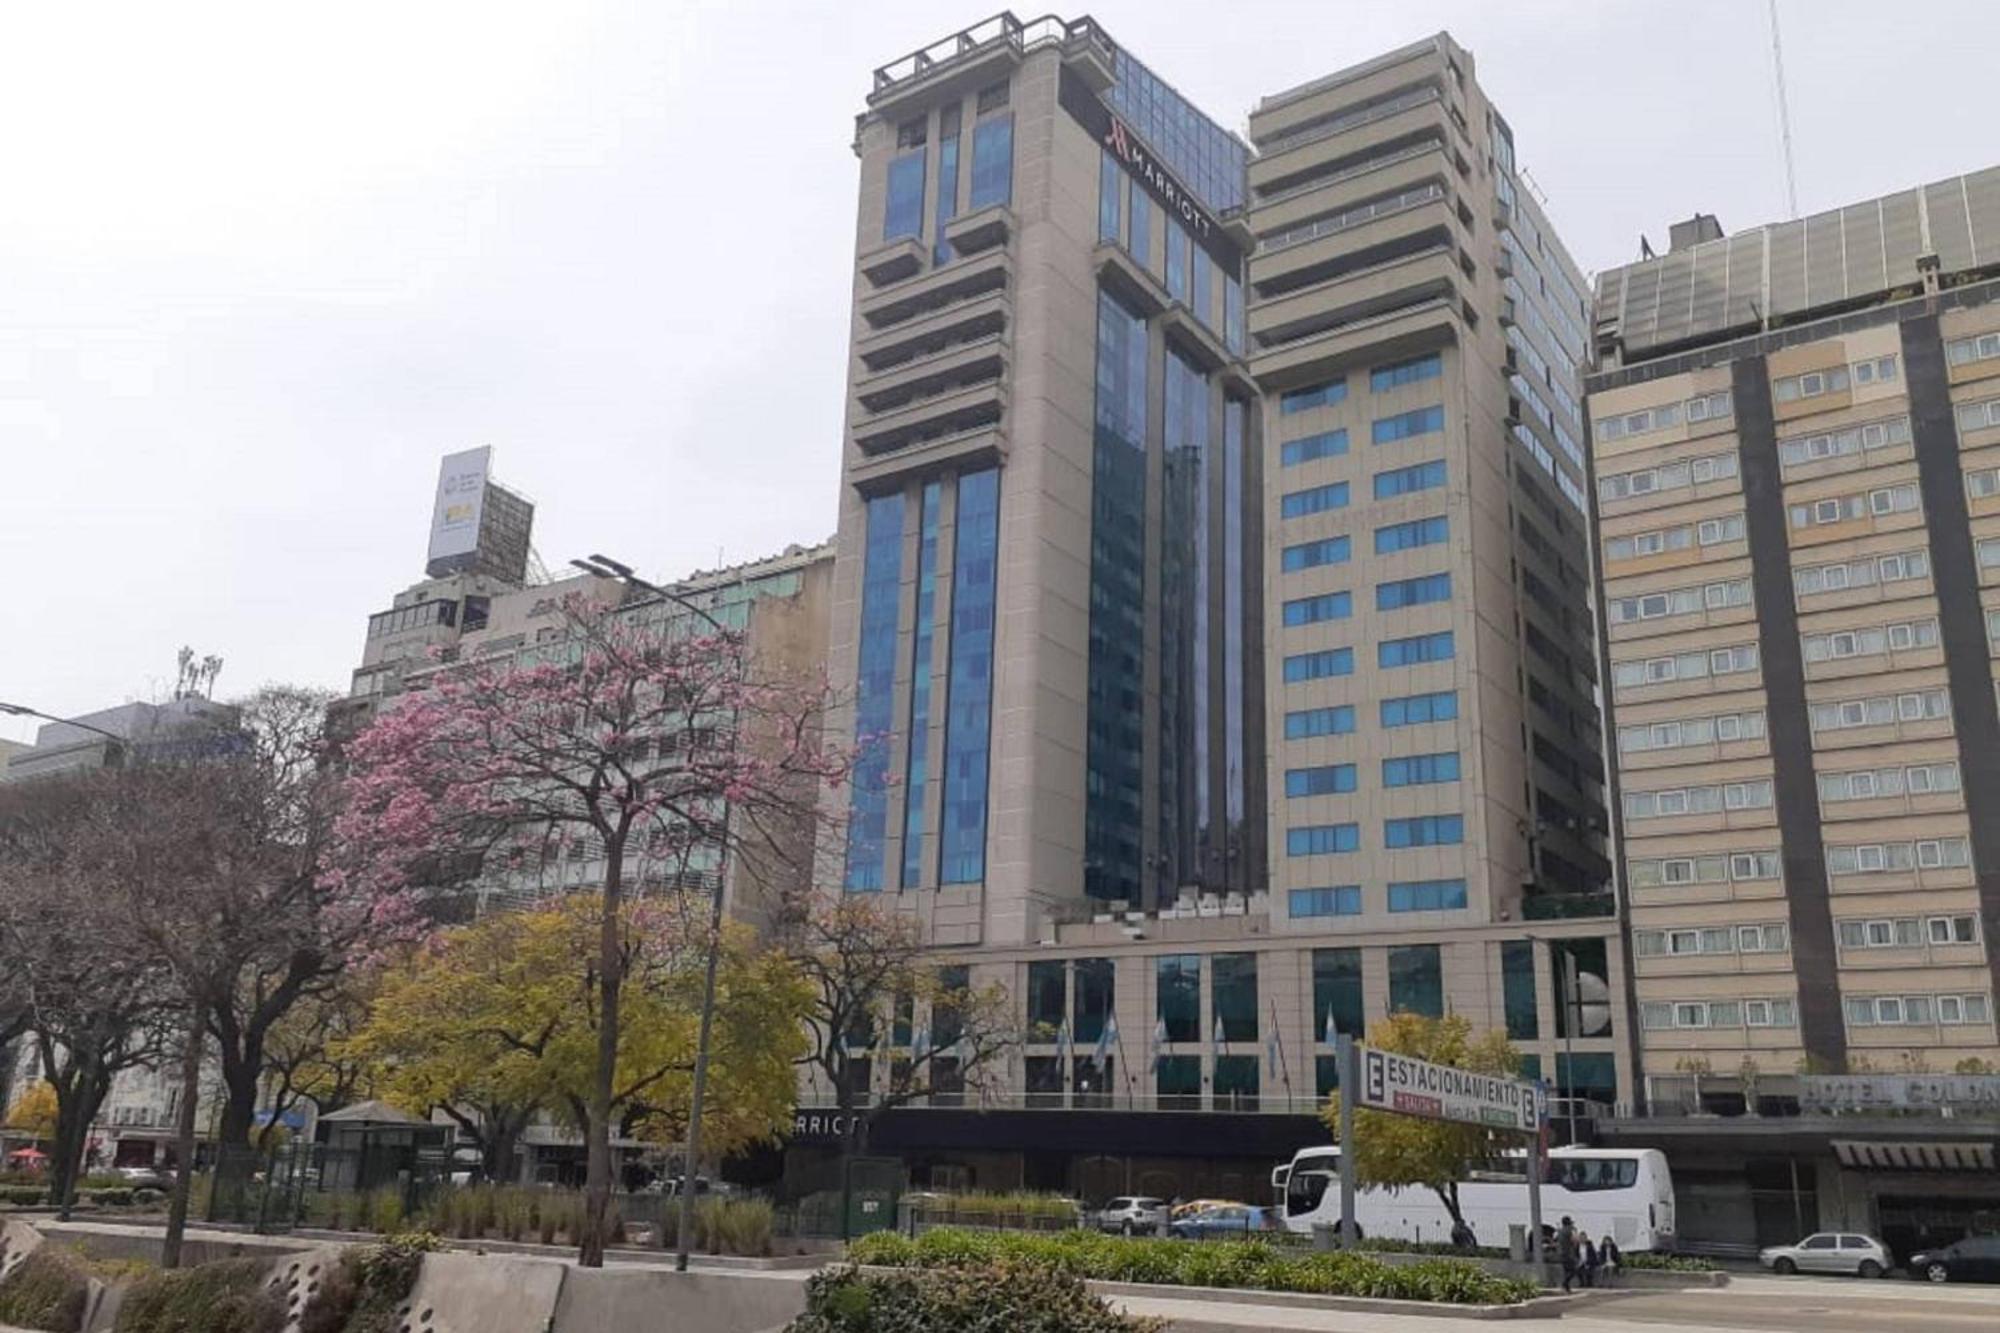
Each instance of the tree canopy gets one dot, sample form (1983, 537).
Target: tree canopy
(497, 1021)
(1399, 1151)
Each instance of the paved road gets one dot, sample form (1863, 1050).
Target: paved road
(1747, 1305)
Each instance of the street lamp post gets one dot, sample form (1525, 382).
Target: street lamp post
(605, 567)
(22, 710)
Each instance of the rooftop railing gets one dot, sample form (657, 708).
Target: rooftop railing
(1002, 29)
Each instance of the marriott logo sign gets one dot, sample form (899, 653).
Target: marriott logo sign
(1164, 187)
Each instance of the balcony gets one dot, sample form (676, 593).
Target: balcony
(927, 377)
(1322, 249)
(967, 321)
(1351, 295)
(1332, 115)
(893, 263)
(976, 446)
(1298, 203)
(959, 409)
(1426, 322)
(972, 233)
(941, 289)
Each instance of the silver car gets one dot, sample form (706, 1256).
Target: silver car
(1830, 1252)
(1134, 1215)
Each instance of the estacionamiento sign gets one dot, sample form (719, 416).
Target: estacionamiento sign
(1408, 1086)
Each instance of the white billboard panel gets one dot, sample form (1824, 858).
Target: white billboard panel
(461, 494)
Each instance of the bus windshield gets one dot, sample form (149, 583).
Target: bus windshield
(1306, 1188)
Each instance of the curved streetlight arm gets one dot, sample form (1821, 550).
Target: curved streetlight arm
(22, 710)
(604, 567)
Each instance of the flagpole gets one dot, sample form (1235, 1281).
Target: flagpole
(1118, 1039)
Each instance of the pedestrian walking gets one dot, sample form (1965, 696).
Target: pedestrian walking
(1566, 1251)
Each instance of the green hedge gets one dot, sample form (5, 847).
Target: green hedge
(1000, 1299)
(29, 1196)
(48, 1290)
(227, 1297)
(1668, 1263)
(1247, 1264)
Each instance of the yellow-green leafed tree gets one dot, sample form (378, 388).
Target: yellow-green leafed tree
(496, 1022)
(1399, 1151)
(34, 1111)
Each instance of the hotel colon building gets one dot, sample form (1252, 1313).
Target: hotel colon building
(1796, 432)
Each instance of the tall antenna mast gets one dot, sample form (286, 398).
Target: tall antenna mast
(1784, 114)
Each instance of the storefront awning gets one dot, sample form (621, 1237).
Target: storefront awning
(1914, 1156)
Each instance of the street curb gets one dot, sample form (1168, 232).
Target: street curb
(1540, 1307)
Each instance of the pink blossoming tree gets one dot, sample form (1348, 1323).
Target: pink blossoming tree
(633, 756)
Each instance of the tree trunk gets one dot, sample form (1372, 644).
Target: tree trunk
(177, 1210)
(86, 1087)
(597, 1126)
(240, 1075)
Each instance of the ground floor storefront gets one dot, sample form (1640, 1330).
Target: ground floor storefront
(1088, 1155)
(1741, 1183)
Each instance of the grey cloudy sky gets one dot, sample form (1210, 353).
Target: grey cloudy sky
(261, 269)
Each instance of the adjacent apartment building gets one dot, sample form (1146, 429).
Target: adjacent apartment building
(1797, 441)
(484, 597)
(1212, 596)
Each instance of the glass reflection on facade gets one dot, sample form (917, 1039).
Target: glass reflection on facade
(1517, 980)
(1114, 724)
(969, 689)
(1184, 745)
(1416, 981)
(922, 637)
(1208, 159)
(947, 191)
(1337, 993)
(1177, 989)
(1235, 414)
(1234, 977)
(1095, 979)
(992, 162)
(903, 211)
(874, 691)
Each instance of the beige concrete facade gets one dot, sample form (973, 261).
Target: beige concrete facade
(1800, 677)
(982, 355)
(1401, 271)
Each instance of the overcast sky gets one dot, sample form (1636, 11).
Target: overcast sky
(258, 271)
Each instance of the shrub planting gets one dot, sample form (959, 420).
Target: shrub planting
(364, 1292)
(997, 1299)
(1251, 1264)
(1668, 1263)
(227, 1297)
(47, 1290)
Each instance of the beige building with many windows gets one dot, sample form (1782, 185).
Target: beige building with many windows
(1213, 597)
(1796, 432)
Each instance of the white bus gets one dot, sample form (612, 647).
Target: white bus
(1625, 1193)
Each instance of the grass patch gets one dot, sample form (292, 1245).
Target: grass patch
(1252, 1264)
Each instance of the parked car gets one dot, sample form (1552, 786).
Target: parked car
(1830, 1252)
(1218, 1223)
(147, 1177)
(1974, 1259)
(1133, 1215)
(1193, 1206)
